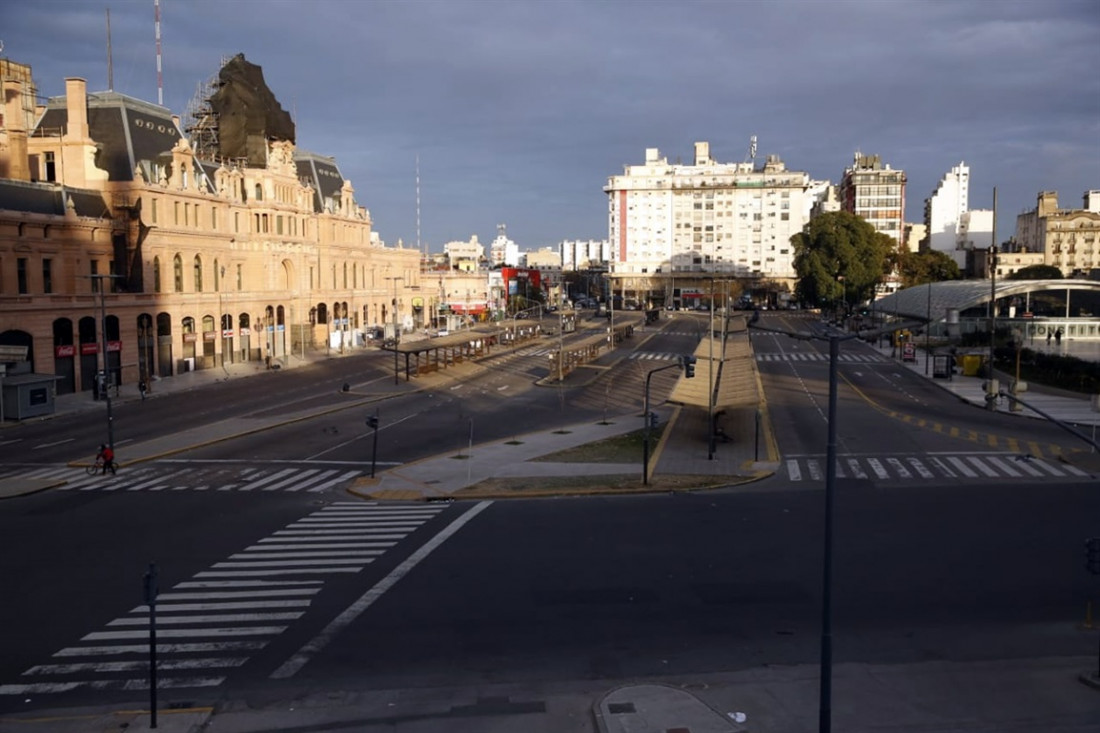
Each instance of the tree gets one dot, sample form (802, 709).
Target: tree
(840, 257)
(932, 266)
(1036, 272)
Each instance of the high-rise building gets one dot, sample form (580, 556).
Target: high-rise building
(875, 192)
(502, 250)
(585, 254)
(731, 219)
(943, 210)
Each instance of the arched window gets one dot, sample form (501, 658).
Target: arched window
(198, 274)
(177, 273)
(156, 274)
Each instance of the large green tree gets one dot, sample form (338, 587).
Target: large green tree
(1037, 272)
(933, 266)
(839, 257)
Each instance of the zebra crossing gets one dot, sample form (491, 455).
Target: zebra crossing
(215, 621)
(195, 477)
(790, 356)
(999, 466)
(654, 356)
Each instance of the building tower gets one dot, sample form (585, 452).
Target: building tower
(876, 193)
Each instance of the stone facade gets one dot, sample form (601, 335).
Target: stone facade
(200, 262)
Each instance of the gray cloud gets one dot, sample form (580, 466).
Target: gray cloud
(520, 111)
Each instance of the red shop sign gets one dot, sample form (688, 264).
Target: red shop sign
(62, 352)
(92, 348)
(114, 346)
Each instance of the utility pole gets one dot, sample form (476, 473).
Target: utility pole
(102, 380)
(991, 393)
(396, 337)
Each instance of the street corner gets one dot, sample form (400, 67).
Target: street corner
(370, 489)
(1090, 679)
(1084, 460)
(16, 486)
(660, 707)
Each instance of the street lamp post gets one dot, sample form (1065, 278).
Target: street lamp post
(685, 362)
(98, 280)
(396, 337)
(826, 688)
(991, 392)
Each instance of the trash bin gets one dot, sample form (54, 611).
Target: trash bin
(972, 365)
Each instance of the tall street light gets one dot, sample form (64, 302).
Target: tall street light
(396, 336)
(826, 682)
(98, 280)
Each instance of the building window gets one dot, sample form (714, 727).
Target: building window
(213, 217)
(47, 275)
(176, 213)
(238, 277)
(156, 274)
(217, 278)
(236, 222)
(153, 210)
(279, 224)
(177, 273)
(198, 274)
(21, 275)
(51, 166)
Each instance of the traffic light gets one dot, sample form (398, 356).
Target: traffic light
(1092, 555)
(688, 363)
(372, 421)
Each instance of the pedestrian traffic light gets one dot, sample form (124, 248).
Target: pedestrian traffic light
(688, 363)
(372, 421)
(1092, 555)
(653, 419)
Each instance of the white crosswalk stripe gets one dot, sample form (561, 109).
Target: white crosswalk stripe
(930, 467)
(816, 356)
(193, 477)
(213, 623)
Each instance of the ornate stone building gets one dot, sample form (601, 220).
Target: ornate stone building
(114, 232)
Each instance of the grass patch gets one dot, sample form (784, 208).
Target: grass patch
(626, 483)
(625, 448)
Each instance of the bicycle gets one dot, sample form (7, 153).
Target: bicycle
(93, 468)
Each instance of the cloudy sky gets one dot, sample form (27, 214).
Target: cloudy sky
(520, 110)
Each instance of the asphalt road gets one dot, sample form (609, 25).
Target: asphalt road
(537, 595)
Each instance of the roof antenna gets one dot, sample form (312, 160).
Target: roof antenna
(110, 60)
(422, 254)
(160, 77)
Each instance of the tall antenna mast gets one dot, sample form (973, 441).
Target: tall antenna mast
(110, 60)
(160, 78)
(423, 254)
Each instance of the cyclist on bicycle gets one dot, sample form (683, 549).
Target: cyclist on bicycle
(108, 457)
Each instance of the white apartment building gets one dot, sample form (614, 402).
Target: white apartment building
(586, 254)
(943, 210)
(465, 256)
(503, 251)
(953, 227)
(734, 219)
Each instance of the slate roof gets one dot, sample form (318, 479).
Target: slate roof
(321, 173)
(126, 130)
(49, 198)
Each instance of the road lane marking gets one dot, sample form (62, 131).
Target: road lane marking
(964, 469)
(352, 612)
